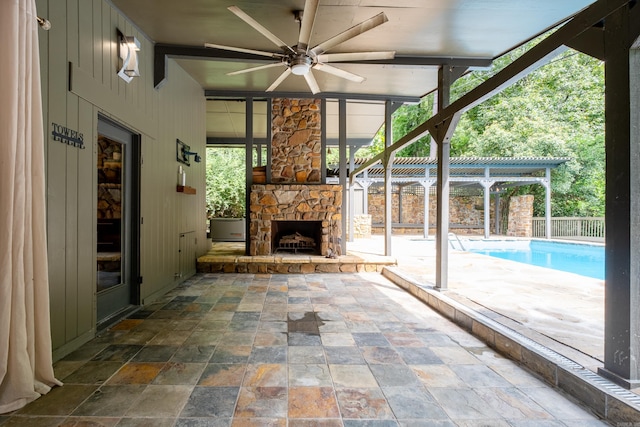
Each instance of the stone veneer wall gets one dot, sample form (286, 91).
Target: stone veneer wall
(296, 147)
(296, 202)
(520, 216)
(465, 211)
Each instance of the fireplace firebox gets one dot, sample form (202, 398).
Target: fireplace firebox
(296, 236)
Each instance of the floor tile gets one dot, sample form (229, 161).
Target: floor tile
(325, 404)
(136, 373)
(160, 401)
(309, 375)
(211, 402)
(59, 401)
(110, 401)
(222, 374)
(355, 376)
(266, 375)
(262, 402)
(363, 403)
(178, 373)
(93, 373)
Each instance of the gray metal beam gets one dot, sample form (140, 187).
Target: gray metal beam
(162, 51)
(240, 142)
(260, 95)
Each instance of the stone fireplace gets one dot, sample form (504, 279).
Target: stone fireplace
(283, 205)
(295, 201)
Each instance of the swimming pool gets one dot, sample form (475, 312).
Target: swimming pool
(586, 260)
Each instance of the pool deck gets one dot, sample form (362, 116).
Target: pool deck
(563, 311)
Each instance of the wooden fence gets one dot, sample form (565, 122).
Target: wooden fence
(590, 228)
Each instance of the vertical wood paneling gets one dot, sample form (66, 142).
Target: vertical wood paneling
(71, 226)
(85, 43)
(84, 33)
(86, 208)
(73, 31)
(56, 172)
(96, 40)
(107, 66)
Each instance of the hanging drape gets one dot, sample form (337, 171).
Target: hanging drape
(25, 339)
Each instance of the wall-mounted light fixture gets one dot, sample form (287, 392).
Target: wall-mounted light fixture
(183, 152)
(128, 48)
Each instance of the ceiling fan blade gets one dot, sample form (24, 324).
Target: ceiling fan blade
(243, 50)
(338, 72)
(279, 80)
(355, 56)
(256, 26)
(352, 32)
(261, 67)
(311, 81)
(308, 18)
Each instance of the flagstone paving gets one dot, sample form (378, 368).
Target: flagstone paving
(294, 350)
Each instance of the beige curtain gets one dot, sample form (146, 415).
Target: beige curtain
(25, 339)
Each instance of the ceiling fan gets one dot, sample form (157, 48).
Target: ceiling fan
(301, 59)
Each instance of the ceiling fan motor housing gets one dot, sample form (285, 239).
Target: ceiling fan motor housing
(300, 64)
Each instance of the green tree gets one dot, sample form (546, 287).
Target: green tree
(226, 187)
(558, 111)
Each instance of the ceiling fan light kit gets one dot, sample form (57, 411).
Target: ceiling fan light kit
(300, 60)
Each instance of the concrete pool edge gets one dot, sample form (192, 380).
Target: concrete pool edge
(605, 398)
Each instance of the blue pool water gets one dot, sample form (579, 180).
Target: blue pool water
(586, 260)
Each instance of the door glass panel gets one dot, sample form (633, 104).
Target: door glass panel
(110, 213)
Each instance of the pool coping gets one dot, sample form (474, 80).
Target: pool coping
(606, 399)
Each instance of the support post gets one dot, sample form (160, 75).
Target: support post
(497, 213)
(248, 171)
(426, 184)
(342, 150)
(352, 153)
(622, 202)
(387, 162)
(486, 186)
(547, 204)
(442, 137)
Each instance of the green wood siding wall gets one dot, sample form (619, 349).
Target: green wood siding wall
(79, 81)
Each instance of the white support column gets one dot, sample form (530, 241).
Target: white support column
(486, 185)
(426, 184)
(547, 204)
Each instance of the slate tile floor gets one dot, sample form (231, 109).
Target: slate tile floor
(293, 350)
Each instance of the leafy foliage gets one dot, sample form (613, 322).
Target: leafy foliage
(226, 182)
(556, 111)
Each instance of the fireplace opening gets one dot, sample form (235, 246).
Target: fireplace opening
(296, 236)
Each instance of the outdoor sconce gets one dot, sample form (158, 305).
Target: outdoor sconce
(128, 48)
(196, 156)
(183, 152)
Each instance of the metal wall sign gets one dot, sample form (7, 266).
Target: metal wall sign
(68, 136)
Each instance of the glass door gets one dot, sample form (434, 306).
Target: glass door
(117, 237)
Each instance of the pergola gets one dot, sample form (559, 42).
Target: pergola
(493, 175)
